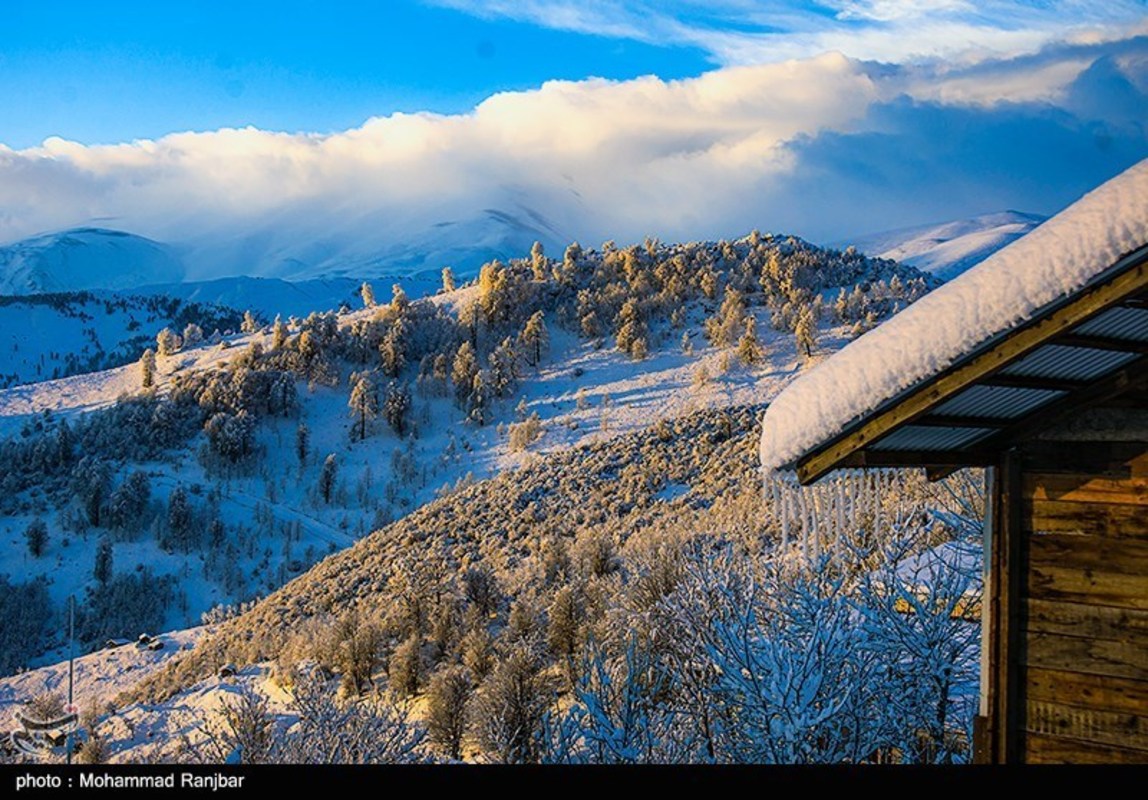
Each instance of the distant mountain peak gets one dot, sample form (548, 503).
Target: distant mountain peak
(946, 249)
(83, 259)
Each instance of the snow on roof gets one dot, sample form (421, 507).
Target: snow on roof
(1057, 258)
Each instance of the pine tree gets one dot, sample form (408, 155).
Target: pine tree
(364, 404)
(327, 479)
(722, 328)
(368, 294)
(748, 348)
(463, 371)
(400, 303)
(102, 570)
(278, 334)
(91, 482)
(302, 442)
(632, 332)
(535, 339)
(249, 324)
(166, 342)
(179, 522)
(396, 406)
(392, 350)
(147, 368)
(538, 261)
(504, 368)
(448, 282)
(129, 500)
(806, 331)
(36, 535)
(480, 396)
(192, 335)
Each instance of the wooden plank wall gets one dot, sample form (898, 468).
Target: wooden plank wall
(1083, 616)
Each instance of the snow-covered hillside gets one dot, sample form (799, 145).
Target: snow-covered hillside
(43, 337)
(319, 264)
(85, 258)
(270, 296)
(949, 248)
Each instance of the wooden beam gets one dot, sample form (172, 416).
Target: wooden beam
(998, 353)
(934, 474)
(1032, 382)
(1101, 343)
(1131, 377)
(951, 421)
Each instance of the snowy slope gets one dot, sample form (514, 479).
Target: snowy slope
(582, 395)
(1059, 257)
(948, 249)
(271, 296)
(318, 261)
(49, 336)
(85, 258)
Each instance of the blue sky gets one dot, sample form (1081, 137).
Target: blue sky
(259, 134)
(128, 69)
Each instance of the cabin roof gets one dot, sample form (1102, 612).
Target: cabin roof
(1055, 323)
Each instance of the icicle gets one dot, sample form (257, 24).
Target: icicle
(783, 509)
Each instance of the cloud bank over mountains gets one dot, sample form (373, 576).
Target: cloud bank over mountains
(825, 147)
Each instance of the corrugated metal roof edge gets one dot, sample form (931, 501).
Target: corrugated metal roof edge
(1125, 263)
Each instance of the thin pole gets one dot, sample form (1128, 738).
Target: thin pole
(71, 664)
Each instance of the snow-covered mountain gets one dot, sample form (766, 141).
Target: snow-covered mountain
(947, 249)
(321, 260)
(85, 258)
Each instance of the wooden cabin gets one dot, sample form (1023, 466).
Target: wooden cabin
(1055, 408)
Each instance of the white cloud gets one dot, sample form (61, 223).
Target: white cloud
(821, 147)
(759, 31)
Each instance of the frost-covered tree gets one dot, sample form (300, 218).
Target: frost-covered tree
(806, 331)
(632, 334)
(231, 436)
(91, 483)
(534, 339)
(400, 303)
(364, 404)
(327, 478)
(102, 569)
(192, 335)
(367, 731)
(147, 368)
(748, 348)
(302, 442)
(36, 537)
(448, 698)
(463, 371)
(722, 329)
(538, 261)
(504, 368)
(448, 282)
(397, 406)
(393, 349)
(510, 709)
(481, 396)
(367, 292)
(405, 668)
(167, 342)
(278, 334)
(179, 520)
(129, 501)
(250, 324)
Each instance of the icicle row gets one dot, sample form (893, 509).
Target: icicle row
(828, 517)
